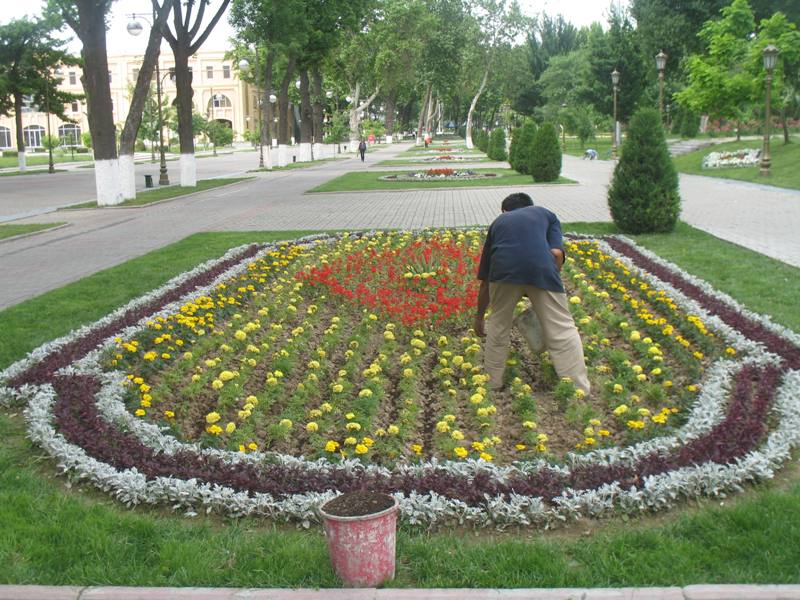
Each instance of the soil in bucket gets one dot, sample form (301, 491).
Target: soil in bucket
(358, 504)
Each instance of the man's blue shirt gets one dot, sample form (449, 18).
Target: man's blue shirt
(517, 249)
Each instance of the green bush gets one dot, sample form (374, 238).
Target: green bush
(481, 139)
(690, 125)
(81, 150)
(644, 196)
(497, 145)
(10, 153)
(520, 153)
(86, 138)
(545, 154)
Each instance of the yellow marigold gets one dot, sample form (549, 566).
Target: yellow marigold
(353, 426)
(326, 407)
(603, 432)
(617, 388)
(393, 429)
(365, 393)
(361, 449)
(230, 427)
(460, 452)
(169, 414)
(226, 375)
(621, 409)
(478, 446)
(636, 424)
(520, 446)
(240, 335)
(367, 441)
(486, 456)
(214, 429)
(542, 438)
(417, 448)
(594, 422)
(457, 435)
(331, 446)
(212, 418)
(311, 426)
(442, 427)
(150, 355)
(388, 335)
(635, 336)
(350, 441)
(287, 423)
(140, 412)
(529, 424)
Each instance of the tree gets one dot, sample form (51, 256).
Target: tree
(29, 55)
(643, 196)
(721, 83)
(498, 22)
(219, 134)
(521, 145)
(545, 154)
(185, 42)
(87, 18)
(149, 127)
(497, 145)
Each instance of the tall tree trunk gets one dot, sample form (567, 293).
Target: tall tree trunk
(318, 108)
(184, 93)
(391, 102)
(468, 133)
(20, 137)
(284, 115)
(141, 92)
(356, 112)
(92, 32)
(431, 112)
(422, 109)
(306, 119)
(268, 130)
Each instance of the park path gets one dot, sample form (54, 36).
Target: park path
(758, 217)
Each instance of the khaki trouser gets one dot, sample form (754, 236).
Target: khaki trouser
(558, 329)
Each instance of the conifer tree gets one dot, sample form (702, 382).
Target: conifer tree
(545, 154)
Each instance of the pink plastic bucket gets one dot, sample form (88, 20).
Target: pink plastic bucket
(362, 548)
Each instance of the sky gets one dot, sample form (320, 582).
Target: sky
(578, 12)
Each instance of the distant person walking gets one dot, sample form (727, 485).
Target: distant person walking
(362, 149)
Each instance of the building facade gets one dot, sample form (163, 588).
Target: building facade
(218, 94)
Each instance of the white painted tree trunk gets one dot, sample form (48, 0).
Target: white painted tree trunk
(21, 161)
(107, 182)
(188, 164)
(304, 152)
(127, 176)
(355, 115)
(320, 151)
(267, 157)
(468, 133)
(283, 155)
(389, 139)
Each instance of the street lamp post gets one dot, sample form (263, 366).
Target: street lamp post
(135, 28)
(244, 65)
(661, 63)
(770, 58)
(50, 167)
(615, 83)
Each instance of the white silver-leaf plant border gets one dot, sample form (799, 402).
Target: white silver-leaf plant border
(657, 492)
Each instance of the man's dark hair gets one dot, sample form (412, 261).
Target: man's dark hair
(514, 201)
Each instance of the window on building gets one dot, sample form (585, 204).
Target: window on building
(226, 71)
(28, 105)
(69, 134)
(5, 137)
(220, 101)
(33, 134)
(209, 72)
(72, 78)
(135, 74)
(76, 107)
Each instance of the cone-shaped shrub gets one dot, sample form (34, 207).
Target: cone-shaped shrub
(545, 158)
(481, 140)
(520, 153)
(497, 145)
(643, 196)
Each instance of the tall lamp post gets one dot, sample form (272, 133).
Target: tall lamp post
(615, 83)
(770, 58)
(50, 166)
(244, 66)
(135, 28)
(661, 63)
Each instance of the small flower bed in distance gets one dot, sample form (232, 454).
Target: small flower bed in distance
(747, 157)
(356, 354)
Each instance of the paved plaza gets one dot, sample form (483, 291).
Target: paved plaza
(759, 217)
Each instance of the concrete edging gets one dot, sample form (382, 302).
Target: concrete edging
(32, 233)
(691, 592)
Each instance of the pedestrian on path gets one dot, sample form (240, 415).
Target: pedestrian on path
(522, 256)
(362, 149)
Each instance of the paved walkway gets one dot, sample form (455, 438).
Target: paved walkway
(691, 592)
(758, 217)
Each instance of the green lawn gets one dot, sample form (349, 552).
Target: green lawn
(167, 192)
(53, 534)
(601, 144)
(30, 172)
(785, 159)
(12, 161)
(7, 231)
(356, 181)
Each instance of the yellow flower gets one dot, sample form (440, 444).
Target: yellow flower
(287, 423)
(353, 426)
(542, 438)
(486, 456)
(594, 422)
(312, 426)
(476, 398)
(169, 414)
(230, 427)
(442, 427)
(252, 446)
(367, 441)
(331, 446)
(603, 432)
(574, 300)
(520, 446)
(140, 412)
(337, 388)
(365, 393)
(417, 448)
(388, 335)
(529, 424)
(350, 441)
(635, 336)
(408, 373)
(449, 418)
(478, 446)
(361, 449)
(617, 388)
(460, 452)
(214, 429)
(621, 409)
(226, 375)
(636, 424)
(212, 418)
(326, 407)
(457, 435)
(393, 429)
(240, 335)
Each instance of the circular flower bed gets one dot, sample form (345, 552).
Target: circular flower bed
(445, 158)
(441, 174)
(271, 380)
(747, 157)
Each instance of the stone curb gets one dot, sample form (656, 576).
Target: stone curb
(14, 238)
(691, 592)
